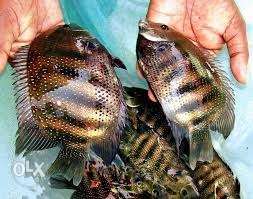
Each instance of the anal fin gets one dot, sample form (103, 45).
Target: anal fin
(201, 148)
(106, 149)
(179, 133)
(69, 164)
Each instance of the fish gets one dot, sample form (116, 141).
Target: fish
(69, 96)
(194, 92)
(96, 182)
(104, 181)
(149, 147)
(211, 180)
(215, 180)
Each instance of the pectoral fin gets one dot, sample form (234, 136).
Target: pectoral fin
(118, 63)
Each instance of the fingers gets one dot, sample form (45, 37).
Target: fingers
(7, 34)
(150, 93)
(151, 96)
(139, 72)
(236, 39)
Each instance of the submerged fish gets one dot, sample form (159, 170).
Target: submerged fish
(135, 178)
(194, 93)
(100, 181)
(68, 95)
(215, 180)
(151, 150)
(96, 182)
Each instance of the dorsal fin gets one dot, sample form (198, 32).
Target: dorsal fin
(118, 63)
(29, 136)
(225, 123)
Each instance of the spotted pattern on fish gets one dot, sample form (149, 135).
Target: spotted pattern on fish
(68, 96)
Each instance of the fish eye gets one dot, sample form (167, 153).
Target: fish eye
(155, 192)
(183, 192)
(90, 45)
(162, 47)
(164, 27)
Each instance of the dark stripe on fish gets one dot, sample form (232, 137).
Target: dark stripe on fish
(210, 96)
(201, 119)
(151, 151)
(64, 53)
(191, 86)
(140, 146)
(175, 72)
(67, 71)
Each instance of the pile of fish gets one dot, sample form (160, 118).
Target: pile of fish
(114, 142)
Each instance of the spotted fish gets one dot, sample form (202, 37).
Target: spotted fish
(194, 93)
(68, 95)
(100, 181)
(96, 182)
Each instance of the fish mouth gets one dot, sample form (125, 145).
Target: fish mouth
(143, 24)
(147, 32)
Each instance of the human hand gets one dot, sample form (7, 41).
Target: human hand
(210, 24)
(22, 20)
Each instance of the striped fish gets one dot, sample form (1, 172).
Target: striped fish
(151, 150)
(194, 93)
(68, 95)
(215, 180)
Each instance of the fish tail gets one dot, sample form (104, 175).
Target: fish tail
(58, 182)
(201, 148)
(69, 165)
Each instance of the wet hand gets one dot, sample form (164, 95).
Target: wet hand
(22, 20)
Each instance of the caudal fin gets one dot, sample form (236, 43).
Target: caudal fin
(70, 167)
(58, 182)
(201, 148)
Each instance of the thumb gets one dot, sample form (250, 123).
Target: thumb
(9, 31)
(3, 60)
(236, 39)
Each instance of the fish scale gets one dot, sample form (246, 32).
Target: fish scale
(68, 96)
(213, 180)
(160, 173)
(146, 149)
(194, 92)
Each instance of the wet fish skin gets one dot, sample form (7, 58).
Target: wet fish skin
(96, 182)
(104, 181)
(194, 93)
(68, 95)
(150, 148)
(215, 180)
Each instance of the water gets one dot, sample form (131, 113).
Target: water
(114, 23)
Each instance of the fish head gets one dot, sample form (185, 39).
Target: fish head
(184, 186)
(73, 42)
(157, 44)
